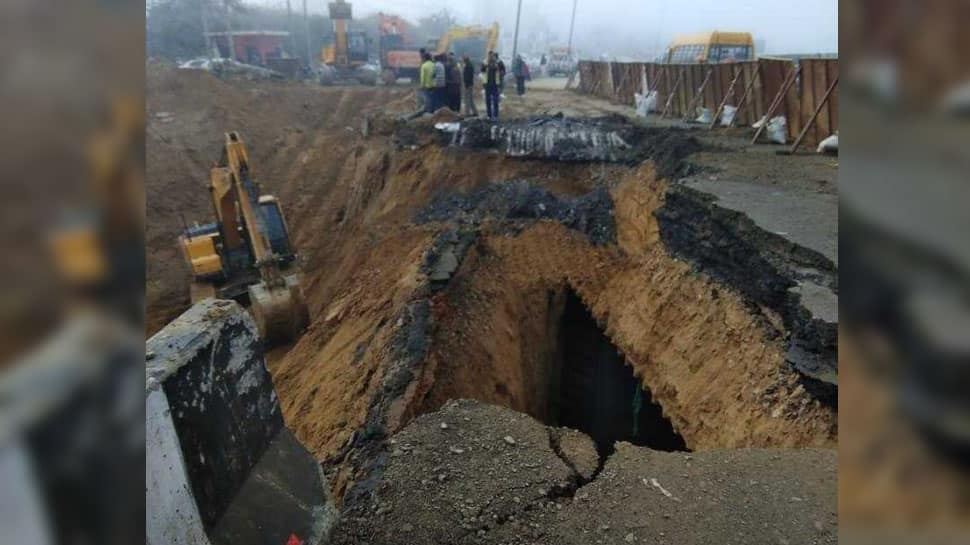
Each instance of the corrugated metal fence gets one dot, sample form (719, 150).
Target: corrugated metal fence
(618, 82)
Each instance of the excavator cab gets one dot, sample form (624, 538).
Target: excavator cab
(357, 47)
(246, 254)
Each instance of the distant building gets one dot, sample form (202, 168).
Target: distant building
(251, 46)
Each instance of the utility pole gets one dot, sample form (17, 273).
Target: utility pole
(289, 27)
(515, 40)
(232, 43)
(306, 31)
(572, 25)
(205, 27)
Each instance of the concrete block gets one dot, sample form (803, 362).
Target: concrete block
(222, 468)
(208, 363)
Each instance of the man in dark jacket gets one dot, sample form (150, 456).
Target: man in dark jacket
(453, 78)
(521, 72)
(492, 74)
(468, 77)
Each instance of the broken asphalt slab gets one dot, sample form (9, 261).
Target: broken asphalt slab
(476, 473)
(777, 246)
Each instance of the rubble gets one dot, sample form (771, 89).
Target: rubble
(530, 494)
(590, 214)
(613, 139)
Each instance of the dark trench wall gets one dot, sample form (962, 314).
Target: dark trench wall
(598, 393)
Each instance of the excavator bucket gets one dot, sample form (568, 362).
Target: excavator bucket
(280, 312)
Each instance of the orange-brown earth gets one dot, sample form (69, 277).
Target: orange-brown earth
(713, 364)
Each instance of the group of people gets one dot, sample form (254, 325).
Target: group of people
(440, 81)
(446, 83)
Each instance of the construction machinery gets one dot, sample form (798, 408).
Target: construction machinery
(246, 253)
(399, 58)
(561, 62)
(474, 41)
(346, 59)
(98, 248)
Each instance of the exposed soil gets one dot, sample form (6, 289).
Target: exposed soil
(489, 475)
(437, 272)
(289, 128)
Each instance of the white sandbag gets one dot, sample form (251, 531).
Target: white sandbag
(703, 115)
(727, 115)
(757, 124)
(830, 144)
(447, 127)
(778, 130)
(645, 104)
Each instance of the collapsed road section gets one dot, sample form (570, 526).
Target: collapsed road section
(484, 296)
(619, 324)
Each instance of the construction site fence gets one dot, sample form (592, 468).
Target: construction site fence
(618, 81)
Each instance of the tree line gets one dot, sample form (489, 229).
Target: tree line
(174, 29)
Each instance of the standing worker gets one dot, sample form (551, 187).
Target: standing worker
(520, 71)
(427, 83)
(453, 81)
(420, 95)
(440, 82)
(468, 75)
(492, 73)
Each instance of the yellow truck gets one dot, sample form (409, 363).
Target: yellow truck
(711, 47)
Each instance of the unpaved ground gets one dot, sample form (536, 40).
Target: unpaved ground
(411, 310)
(489, 475)
(289, 128)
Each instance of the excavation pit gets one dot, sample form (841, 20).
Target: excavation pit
(490, 267)
(598, 393)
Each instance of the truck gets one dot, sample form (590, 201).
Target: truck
(398, 57)
(561, 62)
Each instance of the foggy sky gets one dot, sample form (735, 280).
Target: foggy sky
(639, 28)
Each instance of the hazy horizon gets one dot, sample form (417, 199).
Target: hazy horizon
(638, 28)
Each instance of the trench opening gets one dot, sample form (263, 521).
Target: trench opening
(594, 391)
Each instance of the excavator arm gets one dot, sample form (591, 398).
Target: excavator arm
(474, 41)
(276, 301)
(247, 192)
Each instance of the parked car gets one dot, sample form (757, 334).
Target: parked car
(560, 62)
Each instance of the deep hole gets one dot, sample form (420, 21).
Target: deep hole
(598, 393)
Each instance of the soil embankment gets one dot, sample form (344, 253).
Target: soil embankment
(438, 269)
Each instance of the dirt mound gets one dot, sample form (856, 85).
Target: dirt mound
(485, 474)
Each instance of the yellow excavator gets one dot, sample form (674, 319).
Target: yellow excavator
(474, 41)
(246, 253)
(346, 59)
